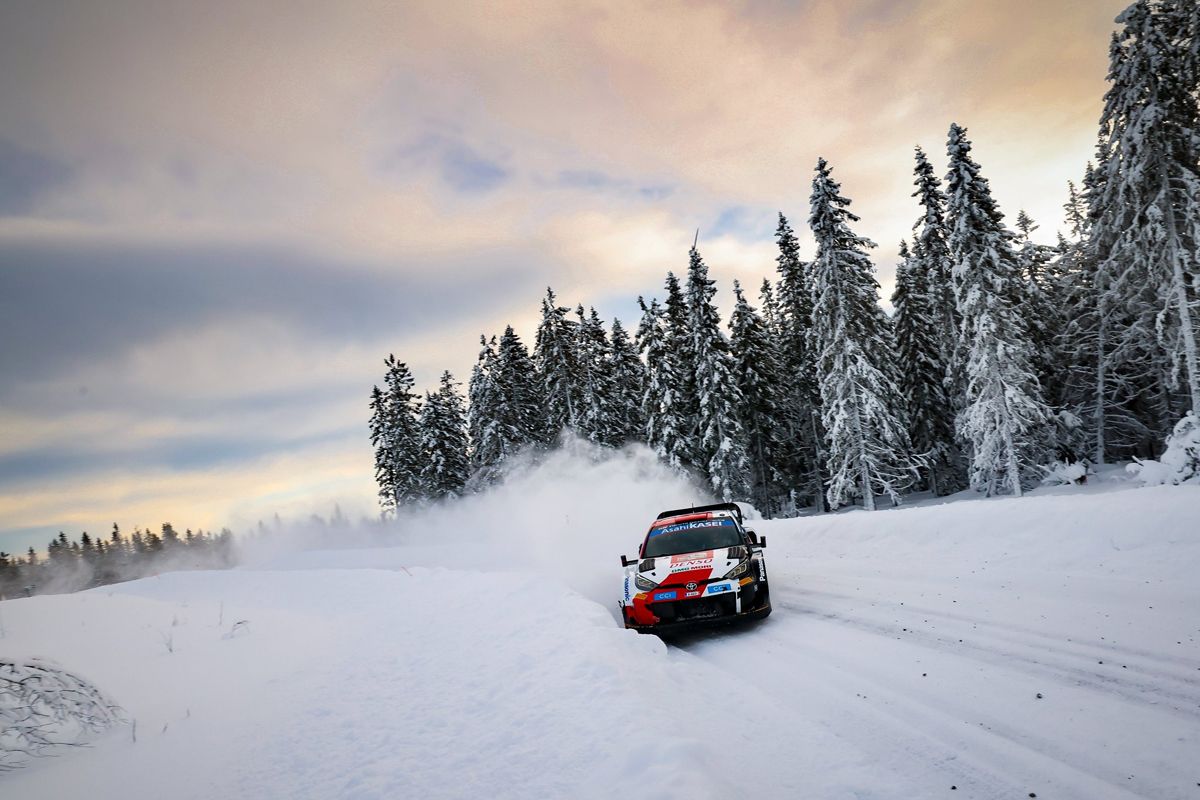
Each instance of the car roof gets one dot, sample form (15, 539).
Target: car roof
(691, 517)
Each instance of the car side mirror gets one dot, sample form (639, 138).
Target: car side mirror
(625, 562)
(753, 537)
(762, 542)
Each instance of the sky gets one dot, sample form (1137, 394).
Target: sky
(217, 219)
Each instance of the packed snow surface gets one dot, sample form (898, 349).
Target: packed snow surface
(1048, 645)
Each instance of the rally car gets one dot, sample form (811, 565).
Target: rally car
(696, 566)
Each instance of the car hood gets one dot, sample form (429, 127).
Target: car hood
(684, 568)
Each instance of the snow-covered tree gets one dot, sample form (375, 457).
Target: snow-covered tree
(597, 411)
(721, 447)
(482, 430)
(1004, 424)
(756, 371)
(866, 434)
(802, 461)
(1040, 305)
(443, 425)
(657, 396)
(516, 398)
(932, 259)
(922, 373)
(1147, 233)
(679, 431)
(558, 365)
(629, 385)
(395, 437)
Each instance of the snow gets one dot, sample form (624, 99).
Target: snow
(1180, 463)
(905, 656)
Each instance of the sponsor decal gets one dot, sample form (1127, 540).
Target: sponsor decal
(692, 560)
(627, 586)
(717, 588)
(687, 526)
(665, 595)
(692, 594)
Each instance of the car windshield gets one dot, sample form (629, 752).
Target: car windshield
(689, 537)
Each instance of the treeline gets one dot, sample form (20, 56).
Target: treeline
(1002, 355)
(74, 564)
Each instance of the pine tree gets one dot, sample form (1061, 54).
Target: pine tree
(394, 434)
(516, 400)
(801, 463)
(554, 353)
(1003, 425)
(481, 424)
(1040, 305)
(922, 373)
(660, 399)
(1100, 392)
(629, 385)
(867, 441)
(1148, 228)
(721, 447)
(598, 413)
(756, 371)
(679, 430)
(443, 425)
(933, 261)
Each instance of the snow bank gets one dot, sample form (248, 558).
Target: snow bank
(1180, 463)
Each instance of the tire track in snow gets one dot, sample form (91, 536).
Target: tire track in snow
(1185, 666)
(1160, 690)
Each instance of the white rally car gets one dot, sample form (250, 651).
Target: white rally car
(696, 566)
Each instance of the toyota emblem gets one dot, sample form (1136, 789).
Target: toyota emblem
(691, 587)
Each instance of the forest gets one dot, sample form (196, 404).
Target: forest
(1003, 361)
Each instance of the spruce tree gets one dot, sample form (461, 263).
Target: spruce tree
(516, 400)
(932, 261)
(866, 435)
(443, 424)
(1099, 391)
(486, 449)
(629, 385)
(554, 353)
(659, 396)
(597, 413)
(1148, 228)
(756, 371)
(802, 462)
(721, 445)
(1041, 306)
(922, 373)
(1003, 425)
(396, 439)
(680, 431)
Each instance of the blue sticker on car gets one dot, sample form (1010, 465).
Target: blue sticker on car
(665, 595)
(717, 588)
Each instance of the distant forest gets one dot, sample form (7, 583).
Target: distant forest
(1002, 356)
(74, 564)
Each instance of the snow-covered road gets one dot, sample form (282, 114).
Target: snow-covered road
(1044, 646)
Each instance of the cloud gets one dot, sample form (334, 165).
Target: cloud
(216, 218)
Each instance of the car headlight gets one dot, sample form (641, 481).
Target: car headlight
(643, 583)
(740, 569)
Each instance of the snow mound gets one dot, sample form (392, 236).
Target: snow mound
(1181, 461)
(45, 709)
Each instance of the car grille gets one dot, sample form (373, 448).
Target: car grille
(699, 608)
